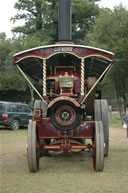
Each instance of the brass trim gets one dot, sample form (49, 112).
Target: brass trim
(57, 53)
(44, 78)
(30, 56)
(65, 44)
(82, 76)
(51, 137)
(46, 118)
(97, 55)
(87, 137)
(107, 73)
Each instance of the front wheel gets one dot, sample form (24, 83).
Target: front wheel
(105, 121)
(98, 147)
(101, 114)
(15, 124)
(33, 153)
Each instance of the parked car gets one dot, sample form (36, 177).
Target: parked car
(14, 114)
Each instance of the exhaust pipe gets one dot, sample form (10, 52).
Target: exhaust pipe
(65, 21)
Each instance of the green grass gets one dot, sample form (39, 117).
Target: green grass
(116, 120)
(63, 173)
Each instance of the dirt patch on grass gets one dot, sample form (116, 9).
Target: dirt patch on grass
(118, 133)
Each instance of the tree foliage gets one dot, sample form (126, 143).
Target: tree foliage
(10, 78)
(41, 16)
(111, 33)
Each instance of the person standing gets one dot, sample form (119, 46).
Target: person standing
(125, 124)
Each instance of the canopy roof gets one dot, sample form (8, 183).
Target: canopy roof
(31, 61)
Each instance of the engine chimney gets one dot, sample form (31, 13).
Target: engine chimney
(65, 21)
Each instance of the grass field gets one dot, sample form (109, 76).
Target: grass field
(66, 172)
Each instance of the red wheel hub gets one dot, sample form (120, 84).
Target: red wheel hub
(65, 115)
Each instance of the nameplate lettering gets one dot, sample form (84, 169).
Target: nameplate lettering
(63, 49)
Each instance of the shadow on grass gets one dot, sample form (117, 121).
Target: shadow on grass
(5, 128)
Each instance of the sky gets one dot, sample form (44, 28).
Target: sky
(7, 11)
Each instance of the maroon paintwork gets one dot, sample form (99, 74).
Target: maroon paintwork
(47, 51)
(63, 98)
(64, 139)
(47, 130)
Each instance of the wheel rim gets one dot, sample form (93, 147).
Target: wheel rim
(65, 115)
(15, 125)
(33, 147)
(98, 147)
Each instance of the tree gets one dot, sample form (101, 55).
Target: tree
(5, 48)
(110, 32)
(84, 15)
(37, 18)
(41, 17)
(31, 12)
(9, 76)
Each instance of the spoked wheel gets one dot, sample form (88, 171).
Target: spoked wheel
(101, 114)
(98, 147)
(105, 121)
(33, 147)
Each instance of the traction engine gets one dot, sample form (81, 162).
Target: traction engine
(70, 110)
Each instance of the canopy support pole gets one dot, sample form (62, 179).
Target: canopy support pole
(107, 69)
(30, 83)
(82, 76)
(44, 77)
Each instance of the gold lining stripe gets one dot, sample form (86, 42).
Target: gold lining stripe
(30, 56)
(33, 56)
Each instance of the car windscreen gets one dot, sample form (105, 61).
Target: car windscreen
(2, 108)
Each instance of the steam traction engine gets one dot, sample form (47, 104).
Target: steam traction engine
(70, 108)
